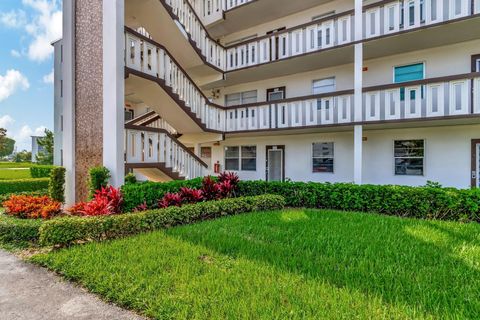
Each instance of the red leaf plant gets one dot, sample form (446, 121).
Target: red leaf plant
(141, 208)
(231, 177)
(30, 207)
(226, 189)
(190, 195)
(169, 200)
(106, 201)
(210, 189)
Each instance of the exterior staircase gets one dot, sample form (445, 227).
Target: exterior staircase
(149, 148)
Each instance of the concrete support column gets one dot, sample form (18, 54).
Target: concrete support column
(358, 63)
(113, 89)
(357, 154)
(197, 149)
(68, 76)
(358, 95)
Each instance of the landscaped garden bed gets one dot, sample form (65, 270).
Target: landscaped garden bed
(427, 202)
(292, 264)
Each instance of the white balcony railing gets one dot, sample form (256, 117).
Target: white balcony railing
(293, 113)
(151, 58)
(437, 97)
(319, 35)
(411, 14)
(380, 19)
(157, 146)
(213, 52)
(431, 98)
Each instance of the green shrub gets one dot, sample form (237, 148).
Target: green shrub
(19, 231)
(429, 202)
(23, 185)
(66, 231)
(99, 177)
(38, 171)
(150, 192)
(56, 187)
(130, 179)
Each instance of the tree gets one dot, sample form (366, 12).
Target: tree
(23, 156)
(45, 156)
(6, 147)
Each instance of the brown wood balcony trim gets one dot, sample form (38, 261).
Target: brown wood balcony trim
(300, 26)
(158, 130)
(470, 75)
(139, 35)
(173, 96)
(142, 117)
(293, 99)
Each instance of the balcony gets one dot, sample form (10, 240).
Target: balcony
(155, 76)
(452, 98)
(436, 99)
(393, 27)
(155, 152)
(223, 17)
(389, 28)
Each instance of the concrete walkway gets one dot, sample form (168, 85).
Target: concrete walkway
(31, 292)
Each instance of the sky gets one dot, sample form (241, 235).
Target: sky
(27, 29)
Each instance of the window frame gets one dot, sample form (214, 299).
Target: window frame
(424, 157)
(240, 157)
(322, 157)
(241, 97)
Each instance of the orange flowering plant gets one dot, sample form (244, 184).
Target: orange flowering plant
(31, 207)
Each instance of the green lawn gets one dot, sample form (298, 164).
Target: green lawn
(295, 264)
(13, 174)
(15, 164)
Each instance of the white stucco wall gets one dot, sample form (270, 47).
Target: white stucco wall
(58, 104)
(439, 62)
(447, 155)
(290, 21)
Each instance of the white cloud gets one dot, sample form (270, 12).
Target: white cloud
(13, 19)
(14, 53)
(23, 140)
(11, 82)
(48, 78)
(45, 27)
(6, 121)
(22, 137)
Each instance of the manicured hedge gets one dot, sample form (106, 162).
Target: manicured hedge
(38, 171)
(66, 231)
(150, 192)
(419, 202)
(18, 231)
(23, 185)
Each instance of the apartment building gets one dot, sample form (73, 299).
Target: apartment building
(381, 92)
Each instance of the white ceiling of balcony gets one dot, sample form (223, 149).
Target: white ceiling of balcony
(258, 12)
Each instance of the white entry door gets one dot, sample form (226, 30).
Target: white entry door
(478, 165)
(475, 163)
(275, 163)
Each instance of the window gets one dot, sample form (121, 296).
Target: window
(236, 99)
(322, 157)
(409, 157)
(232, 156)
(249, 158)
(407, 73)
(129, 115)
(241, 158)
(206, 152)
(323, 86)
